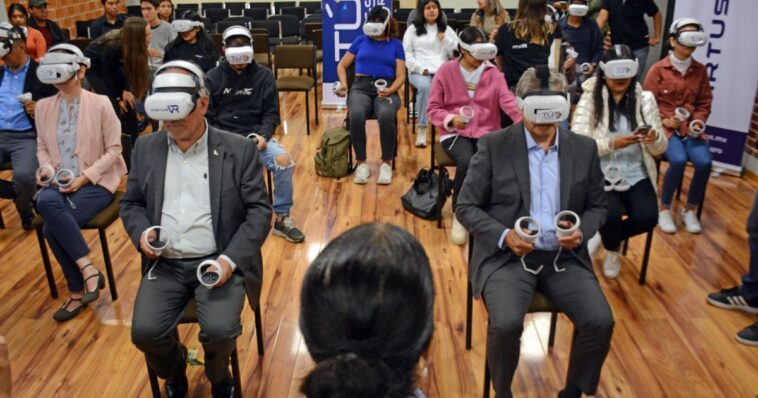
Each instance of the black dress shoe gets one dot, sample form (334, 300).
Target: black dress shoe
(90, 296)
(177, 387)
(223, 390)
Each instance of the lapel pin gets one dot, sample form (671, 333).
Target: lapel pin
(215, 152)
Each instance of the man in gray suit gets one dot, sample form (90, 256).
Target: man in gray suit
(536, 169)
(204, 188)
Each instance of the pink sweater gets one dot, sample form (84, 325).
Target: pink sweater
(449, 94)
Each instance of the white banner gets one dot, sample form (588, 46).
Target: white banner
(731, 60)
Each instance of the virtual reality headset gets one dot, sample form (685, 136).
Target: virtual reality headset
(61, 63)
(9, 35)
(373, 29)
(620, 68)
(480, 51)
(238, 55)
(578, 10)
(545, 106)
(690, 39)
(174, 94)
(185, 25)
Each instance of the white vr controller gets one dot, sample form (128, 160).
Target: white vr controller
(614, 179)
(681, 114)
(208, 275)
(528, 229)
(561, 230)
(24, 98)
(46, 175)
(467, 113)
(161, 241)
(585, 67)
(381, 85)
(697, 127)
(64, 178)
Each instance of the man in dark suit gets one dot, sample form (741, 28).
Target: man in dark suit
(536, 169)
(204, 187)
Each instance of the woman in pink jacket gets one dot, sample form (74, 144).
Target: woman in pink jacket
(79, 142)
(464, 104)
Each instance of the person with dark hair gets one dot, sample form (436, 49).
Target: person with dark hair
(35, 42)
(192, 44)
(582, 33)
(48, 28)
(489, 16)
(625, 123)
(428, 43)
(379, 58)
(110, 20)
(366, 314)
(626, 19)
(166, 10)
(78, 134)
(679, 82)
(471, 81)
(120, 70)
(537, 170)
(244, 100)
(162, 32)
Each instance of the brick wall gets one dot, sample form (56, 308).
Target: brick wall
(67, 12)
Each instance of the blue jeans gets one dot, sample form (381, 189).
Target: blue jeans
(677, 153)
(641, 55)
(62, 223)
(282, 177)
(749, 288)
(423, 84)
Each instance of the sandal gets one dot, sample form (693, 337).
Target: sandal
(63, 315)
(90, 296)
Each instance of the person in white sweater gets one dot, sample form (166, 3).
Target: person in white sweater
(428, 43)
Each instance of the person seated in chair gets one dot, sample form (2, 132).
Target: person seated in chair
(204, 188)
(244, 100)
(382, 270)
(79, 152)
(536, 169)
(20, 89)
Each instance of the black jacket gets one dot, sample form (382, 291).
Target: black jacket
(203, 52)
(32, 85)
(58, 37)
(101, 26)
(106, 74)
(243, 103)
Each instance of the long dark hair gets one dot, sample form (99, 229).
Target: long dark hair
(628, 104)
(379, 14)
(471, 35)
(131, 43)
(203, 40)
(367, 303)
(530, 24)
(420, 22)
(20, 8)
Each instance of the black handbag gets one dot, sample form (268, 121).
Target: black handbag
(423, 199)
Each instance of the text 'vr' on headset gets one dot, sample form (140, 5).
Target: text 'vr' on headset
(174, 95)
(544, 106)
(61, 63)
(622, 68)
(238, 55)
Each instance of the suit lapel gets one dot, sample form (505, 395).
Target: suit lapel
(216, 171)
(160, 154)
(566, 163)
(520, 161)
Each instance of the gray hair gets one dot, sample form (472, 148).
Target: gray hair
(530, 82)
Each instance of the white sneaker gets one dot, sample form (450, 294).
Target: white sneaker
(611, 264)
(361, 174)
(666, 222)
(458, 233)
(385, 174)
(421, 137)
(593, 245)
(691, 222)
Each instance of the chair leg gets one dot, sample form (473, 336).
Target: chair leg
(108, 266)
(486, 392)
(46, 263)
(646, 256)
(469, 313)
(702, 200)
(551, 334)
(307, 116)
(624, 246)
(440, 202)
(270, 186)
(236, 373)
(315, 101)
(154, 385)
(258, 329)
(2, 222)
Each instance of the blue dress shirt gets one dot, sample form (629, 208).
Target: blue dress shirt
(12, 113)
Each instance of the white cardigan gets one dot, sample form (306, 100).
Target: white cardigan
(425, 51)
(646, 112)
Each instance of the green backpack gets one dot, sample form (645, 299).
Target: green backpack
(333, 157)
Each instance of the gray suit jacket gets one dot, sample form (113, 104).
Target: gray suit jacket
(240, 208)
(496, 193)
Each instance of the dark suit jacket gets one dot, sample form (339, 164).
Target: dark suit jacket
(54, 29)
(32, 85)
(240, 209)
(496, 193)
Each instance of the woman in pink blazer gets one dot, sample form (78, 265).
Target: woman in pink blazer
(470, 81)
(77, 132)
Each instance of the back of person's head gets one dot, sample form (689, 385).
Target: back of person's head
(366, 314)
(628, 102)
(190, 15)
(530, 24)
(135, 55)
(419, 22)
(494, 7)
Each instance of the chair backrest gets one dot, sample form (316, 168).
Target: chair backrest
(184, 6)
(308, 29)
(402, 26)
(216, 14)
(262, 31)
(259, 5)
(81, 43)
(205, 6)
(235, 8)
(261, 46)
(135, 11)
(225, 24)
(465, 14)
(448, 11)
(299, 12)
(82, 28)
(272, 26)
(313, 18)
(311, 7)
(402, 14)
(318, 39)
(278, 5)
(218, 40)
(295, 56)
(289, 25)
(258, 14)
(245, 21)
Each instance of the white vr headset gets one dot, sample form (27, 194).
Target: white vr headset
(373, 29)
(620, 68)
(61, 63)
(578, 10)
(9, 34)
(238, 55)
(185, 25)
(690, 39)
(174, 94)
(544, 106)
(480, 51)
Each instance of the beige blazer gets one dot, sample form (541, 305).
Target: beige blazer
(98, 138)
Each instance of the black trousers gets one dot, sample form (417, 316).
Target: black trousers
(639, 204)
(461, 149)
(508, 293)
(160, 304)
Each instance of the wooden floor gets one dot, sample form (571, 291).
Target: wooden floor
(667, 341)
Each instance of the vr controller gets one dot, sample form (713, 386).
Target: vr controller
(209, 276)
(161, 241)
(467, 113)
(381, 85)
(614, 179)
(697, 127)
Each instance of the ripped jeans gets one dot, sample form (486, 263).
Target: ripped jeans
(282, 177)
